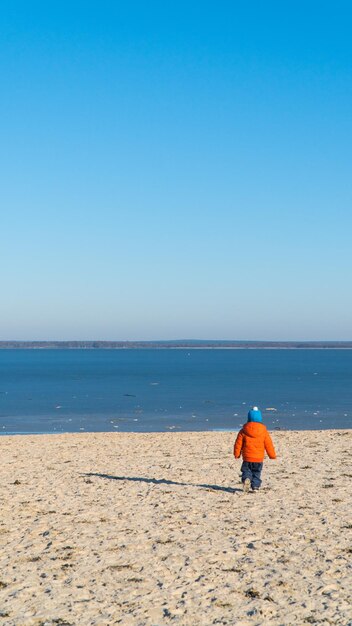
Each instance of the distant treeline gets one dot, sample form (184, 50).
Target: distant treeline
(189, 344)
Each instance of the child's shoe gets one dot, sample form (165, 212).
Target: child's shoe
(246, 485)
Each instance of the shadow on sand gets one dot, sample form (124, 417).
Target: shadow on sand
(163, 481)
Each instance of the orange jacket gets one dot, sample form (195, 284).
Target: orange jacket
(252, 440)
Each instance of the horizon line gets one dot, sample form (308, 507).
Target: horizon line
(182, 340)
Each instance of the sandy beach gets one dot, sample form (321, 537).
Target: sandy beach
(154, 529)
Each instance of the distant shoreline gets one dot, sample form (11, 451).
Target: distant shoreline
(176, 345)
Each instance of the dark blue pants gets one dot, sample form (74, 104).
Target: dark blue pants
(252, 471)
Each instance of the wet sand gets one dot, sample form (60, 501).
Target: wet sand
(154, 529)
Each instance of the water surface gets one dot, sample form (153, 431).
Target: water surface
(172, 389)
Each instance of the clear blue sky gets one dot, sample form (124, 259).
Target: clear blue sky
(176, 169)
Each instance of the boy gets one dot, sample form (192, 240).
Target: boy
(252, 440)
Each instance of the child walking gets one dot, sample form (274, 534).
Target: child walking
(252, 440)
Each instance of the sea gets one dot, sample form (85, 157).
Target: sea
(163, 390)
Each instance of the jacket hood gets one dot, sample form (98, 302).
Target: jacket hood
(253, 429)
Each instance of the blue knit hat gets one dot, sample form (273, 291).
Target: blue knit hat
(254, 415)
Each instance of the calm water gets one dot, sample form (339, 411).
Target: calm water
(161, 390)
